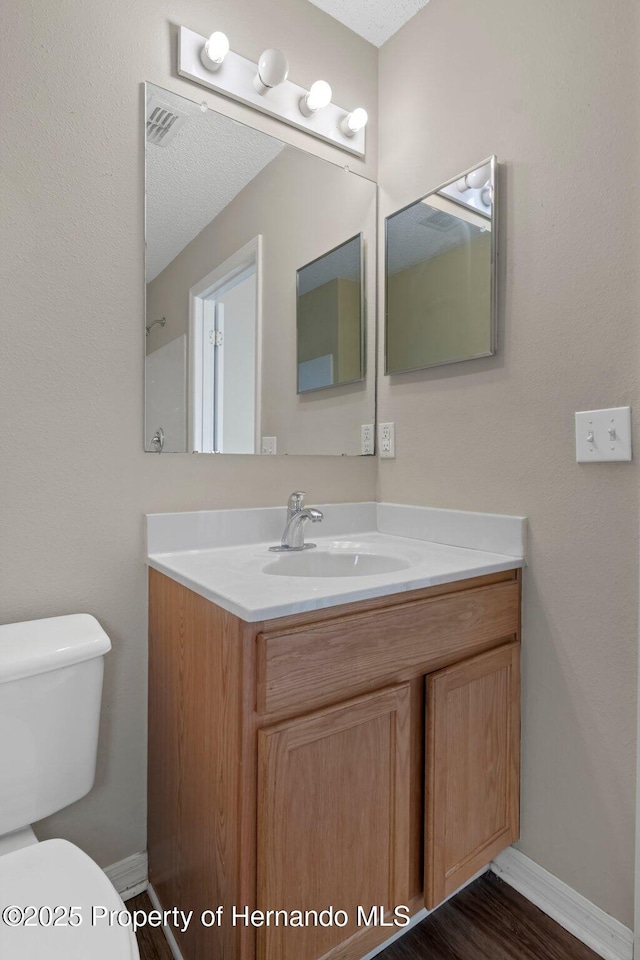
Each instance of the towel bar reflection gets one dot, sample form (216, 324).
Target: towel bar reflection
(157, 440)
(161, 321)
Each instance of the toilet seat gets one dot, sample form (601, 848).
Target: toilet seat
(57, 873)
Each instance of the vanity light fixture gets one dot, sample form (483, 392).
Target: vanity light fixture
(273, 69)
(318, 97)
(354, 122)
(265, 86)
(214, 51)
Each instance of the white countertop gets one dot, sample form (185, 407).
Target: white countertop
(231, 575)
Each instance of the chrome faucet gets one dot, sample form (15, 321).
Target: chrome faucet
(297, 516)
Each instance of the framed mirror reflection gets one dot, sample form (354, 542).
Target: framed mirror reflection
(235, 221)
(440, 274)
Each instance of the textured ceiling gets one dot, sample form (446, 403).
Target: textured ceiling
(375, 20)
(341, 263)
(194, 176)
(424, 230)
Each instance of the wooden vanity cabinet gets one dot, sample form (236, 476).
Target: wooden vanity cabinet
(361, 755)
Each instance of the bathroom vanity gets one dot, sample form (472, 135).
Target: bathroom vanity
(343, 755)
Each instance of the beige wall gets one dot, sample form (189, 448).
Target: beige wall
(74, 481)
(551, 88)
(303, 208)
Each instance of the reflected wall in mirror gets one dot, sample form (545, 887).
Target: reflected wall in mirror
(233, 215)
(440, 271)
(330, 323)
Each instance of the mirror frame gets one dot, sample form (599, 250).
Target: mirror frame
(363, 314)
(492, 161)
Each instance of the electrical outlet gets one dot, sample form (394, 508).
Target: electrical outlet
(366, 439)
(387, 440)
(269, 445)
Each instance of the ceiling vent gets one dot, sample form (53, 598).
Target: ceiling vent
(163, 122)
(439, 220)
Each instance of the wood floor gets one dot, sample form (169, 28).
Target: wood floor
(487, 921)
(151, 941)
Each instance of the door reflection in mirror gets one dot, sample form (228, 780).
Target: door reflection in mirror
(225, 337)
(231, 215)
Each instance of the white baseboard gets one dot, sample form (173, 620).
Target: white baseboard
(129, 876)
(595, 928)
(168, 932)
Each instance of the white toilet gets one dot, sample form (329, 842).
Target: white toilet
(50, 691)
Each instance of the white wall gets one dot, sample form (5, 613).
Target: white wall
(74, 482)
(552, 89)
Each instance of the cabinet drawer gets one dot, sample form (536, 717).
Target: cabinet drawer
(319, 664)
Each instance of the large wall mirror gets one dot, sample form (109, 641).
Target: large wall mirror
(260, 290)
(440, 265)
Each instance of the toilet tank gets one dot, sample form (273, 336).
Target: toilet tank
(50, 691)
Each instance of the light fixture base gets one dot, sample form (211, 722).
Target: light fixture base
(304, 108)
(235, 79)
(211, 66)
(259, 87)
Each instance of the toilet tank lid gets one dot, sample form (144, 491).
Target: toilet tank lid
(38, 646)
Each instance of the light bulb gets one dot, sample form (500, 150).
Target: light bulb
(273, 69)
(354, 121)
(477, 178)
(215, 50)
(485, 196)
(319, 96)
(461, 184)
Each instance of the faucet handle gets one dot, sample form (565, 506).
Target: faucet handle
(296, 502)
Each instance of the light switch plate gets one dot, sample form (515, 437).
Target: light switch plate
(269, 445)
(603, 435)
(387, 440)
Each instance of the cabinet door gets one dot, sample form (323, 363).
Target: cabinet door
(472, 767)
(333, 820)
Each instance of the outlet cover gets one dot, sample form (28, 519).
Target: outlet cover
(387, 440)
(269, 445)
(366, 440)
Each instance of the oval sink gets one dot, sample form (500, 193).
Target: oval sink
(312, 564)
